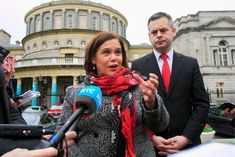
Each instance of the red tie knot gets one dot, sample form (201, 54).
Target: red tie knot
(164, 56)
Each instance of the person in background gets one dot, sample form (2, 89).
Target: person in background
(9, 68)
(130, 108)
(180, 86)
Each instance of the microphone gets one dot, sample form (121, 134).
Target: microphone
(88, 101)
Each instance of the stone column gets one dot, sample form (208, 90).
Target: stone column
(33, 29)
(100, 22)
(53, 91)
(63, 18)
(110, 23)
(76, 18)
(52, 19)
(19, 87)
(89, 20)
(42, 22)
(27, 27)
(34, 88)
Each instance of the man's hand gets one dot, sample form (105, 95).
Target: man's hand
(163, 145)
(171, 145)
(69, 137)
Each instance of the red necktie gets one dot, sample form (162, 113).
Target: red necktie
(166, 74)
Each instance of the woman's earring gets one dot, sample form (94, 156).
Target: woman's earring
(93, 67)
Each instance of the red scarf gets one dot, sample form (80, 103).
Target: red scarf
(117, 86)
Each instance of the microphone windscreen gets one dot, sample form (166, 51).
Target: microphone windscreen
(88, 94)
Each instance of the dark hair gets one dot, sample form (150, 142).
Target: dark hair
(94, 45)
(159, 15)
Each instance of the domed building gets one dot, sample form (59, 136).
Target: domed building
(52, 55)
(57, 32)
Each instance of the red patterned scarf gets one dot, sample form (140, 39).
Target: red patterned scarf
(117, 86)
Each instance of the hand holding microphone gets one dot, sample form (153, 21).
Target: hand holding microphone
(87, 100)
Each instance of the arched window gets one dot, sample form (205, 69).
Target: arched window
(35, 46)
(38, 24)
(47, 23)
(44, 45)
(56, 44)
(223, 53)
(58, 22)
(114, 25)
(220, 55)
(83, 19)
(70, 21)
(94, 23)
(113, 28)
(83, 43)
(105, 21)
(69, 43)
(31, 28)
(28, 49)
(120, 28)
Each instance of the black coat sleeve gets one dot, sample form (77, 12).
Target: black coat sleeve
(15, 116)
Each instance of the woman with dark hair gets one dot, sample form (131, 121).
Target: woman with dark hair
(130, 109)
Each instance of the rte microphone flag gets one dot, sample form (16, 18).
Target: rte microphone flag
(90, 97)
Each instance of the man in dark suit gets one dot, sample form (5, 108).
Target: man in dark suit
(180, 85)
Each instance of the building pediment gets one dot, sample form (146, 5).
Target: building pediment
(221, 22)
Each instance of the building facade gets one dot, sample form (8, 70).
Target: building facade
(52, 53)
(209, 36)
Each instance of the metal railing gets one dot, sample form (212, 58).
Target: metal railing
(49, 61)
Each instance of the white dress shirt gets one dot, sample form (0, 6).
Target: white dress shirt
(160, 60)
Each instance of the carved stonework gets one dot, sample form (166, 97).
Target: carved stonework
(221, 22)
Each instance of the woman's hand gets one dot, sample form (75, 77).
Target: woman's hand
(148, 89)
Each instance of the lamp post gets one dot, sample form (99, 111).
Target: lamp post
(42, 87)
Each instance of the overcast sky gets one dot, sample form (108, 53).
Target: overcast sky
(137, 12)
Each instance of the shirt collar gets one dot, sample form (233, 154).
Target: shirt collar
(169, 54)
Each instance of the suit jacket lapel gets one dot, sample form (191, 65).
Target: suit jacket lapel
(152, 65)
(177, 67)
